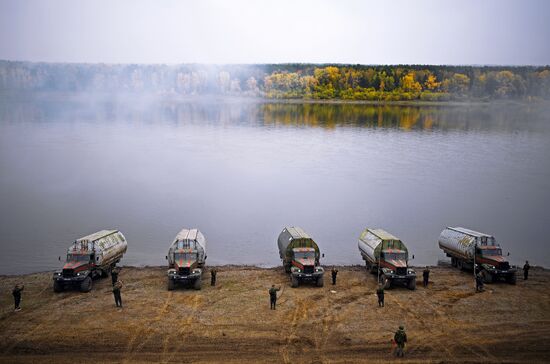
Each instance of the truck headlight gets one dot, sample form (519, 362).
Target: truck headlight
(196, 271)
(57, 274)
(83, 273)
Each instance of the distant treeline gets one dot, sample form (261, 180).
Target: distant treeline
(286, 81)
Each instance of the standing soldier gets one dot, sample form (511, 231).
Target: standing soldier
(426, 275)
(526, 268)
(334, 273)
(114, 275)
(380, 294)
(213, 273)
(273, 296)
(17, 296)
(479, 282)
(116, 292)
(400, 339)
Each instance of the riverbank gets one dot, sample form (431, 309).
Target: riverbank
(232, 322)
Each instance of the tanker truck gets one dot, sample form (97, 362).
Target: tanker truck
(387, 256)
(300, 255)
(186, 259)
(88, 258)
(467, 247)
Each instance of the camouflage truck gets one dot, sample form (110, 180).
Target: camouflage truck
(469, 249)
(88, 258)
(186, 259)
(387, 256)
(300, 255)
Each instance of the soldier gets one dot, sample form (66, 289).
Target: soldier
(273, 296)
(380, 294)
(116, 292)
(213, 273)
(17, 296)
(526, 268)
(334, 273)
(114, 275)
(479, 282)
(426, 275)
(400, 339)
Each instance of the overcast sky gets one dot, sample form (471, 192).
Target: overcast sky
(240, 31)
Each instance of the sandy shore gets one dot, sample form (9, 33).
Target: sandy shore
(232, 322)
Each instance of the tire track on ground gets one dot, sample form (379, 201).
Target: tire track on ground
(146, 332)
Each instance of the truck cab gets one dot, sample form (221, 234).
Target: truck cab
(493, 264)
(300, 255)
(394, 268)
(78, 271)
(186, 259)
(185, 268)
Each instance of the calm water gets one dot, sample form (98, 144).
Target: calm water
(241, 171)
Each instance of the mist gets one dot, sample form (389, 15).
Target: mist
(366, 32)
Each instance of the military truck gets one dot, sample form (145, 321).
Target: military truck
(300, 255)
(88, 258)
(387, 256)
(467, 247)
(186, 259)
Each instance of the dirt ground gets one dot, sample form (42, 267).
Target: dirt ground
(232, 322)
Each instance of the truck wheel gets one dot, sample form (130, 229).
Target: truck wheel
(287, 268)
(384, 281)
(412, 284)
(320, 282)
(293, 282)
(459, 264)
(487, 277)
(86, 285)
(57, 287)
(511, 278)
(197, 284)
(171, 284)
(453, 262)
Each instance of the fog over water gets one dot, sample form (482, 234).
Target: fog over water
(240, 171)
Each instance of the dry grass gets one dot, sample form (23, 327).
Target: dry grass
(232, 322)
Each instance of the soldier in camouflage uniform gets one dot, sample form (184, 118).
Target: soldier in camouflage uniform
(334, 272)
(273, 296)
(16, 292)
(116, 292)
(213, 273)
(400, 339)
(380, 294)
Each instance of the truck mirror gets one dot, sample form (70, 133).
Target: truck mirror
(323, 255)
(97, 259)
(59, 258)
(166, 257)
(413, 256)
(206, 256)
(508, 254)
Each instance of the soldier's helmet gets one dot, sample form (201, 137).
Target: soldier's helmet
(401, 327)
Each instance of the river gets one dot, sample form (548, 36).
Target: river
(241, 170)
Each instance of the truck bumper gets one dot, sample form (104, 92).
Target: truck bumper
(307, 276)
(401, 278)
(502, 273)
(184, 278)
(66, 281)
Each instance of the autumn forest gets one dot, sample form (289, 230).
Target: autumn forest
(286, 81)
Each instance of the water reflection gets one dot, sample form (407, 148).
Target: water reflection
(140, 110)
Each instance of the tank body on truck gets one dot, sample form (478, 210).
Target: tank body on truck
(90, 257)
(300, 255)
(186, 259)
(386, 255)
(464, 246)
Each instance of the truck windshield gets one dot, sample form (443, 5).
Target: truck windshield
(395, 256)
(304, 255)
(491, 252)
(185, 256)
(77, 258)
